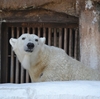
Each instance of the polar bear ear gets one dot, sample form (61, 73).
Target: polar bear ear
(12, 41)
(43, 39)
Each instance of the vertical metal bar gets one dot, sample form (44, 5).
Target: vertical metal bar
(12, 60)
(22, 69)
(78, 45)
(65, 39)
(28, 30)
(60, 38)
(33, 30)
(55, 37)
(39, 31)
(76, 48)
(70, 42)
(27, 75)
(17, 63)
(49, 36)
(44, 32)
(4, 55)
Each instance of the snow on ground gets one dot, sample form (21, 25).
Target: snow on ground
(51, 90)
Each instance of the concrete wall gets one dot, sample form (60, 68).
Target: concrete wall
(90, 36)
(65, 6)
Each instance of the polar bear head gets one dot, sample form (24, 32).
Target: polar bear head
(26, 44)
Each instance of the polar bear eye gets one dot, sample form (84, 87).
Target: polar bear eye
(23, 38)
(36, 40)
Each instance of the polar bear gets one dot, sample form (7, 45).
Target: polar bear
(49, 63)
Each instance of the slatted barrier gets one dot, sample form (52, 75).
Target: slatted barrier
(65, 36)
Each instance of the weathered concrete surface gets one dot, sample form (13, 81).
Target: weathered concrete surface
(71, 7)
(65, 6)
(12, 4)
(90, 38)
(37, 15)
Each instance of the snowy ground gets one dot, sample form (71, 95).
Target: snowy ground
(52, 90)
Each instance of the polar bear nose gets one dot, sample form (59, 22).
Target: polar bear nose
(30, 45)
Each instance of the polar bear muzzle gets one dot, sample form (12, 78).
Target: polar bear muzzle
(30, 47)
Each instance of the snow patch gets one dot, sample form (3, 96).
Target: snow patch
(88, 4)
(52, 90)
(77, 3)
(94, 12)
(96, 16)
(94, 20)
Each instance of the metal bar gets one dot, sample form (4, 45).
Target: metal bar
(44, 32)
(28, 30)
(60, 38)
(27, 74)
(17, 63)
(33, 30)
(4, 58)
(70, 42)
(12, 60)
(78, 45)
(49, 36)
(65, 39)
(55, 37)
(75, 48)
(22, 69)
(39, 31)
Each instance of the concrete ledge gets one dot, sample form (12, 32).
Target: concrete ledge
(52, 90)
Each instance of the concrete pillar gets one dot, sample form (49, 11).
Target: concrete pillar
(90, 38)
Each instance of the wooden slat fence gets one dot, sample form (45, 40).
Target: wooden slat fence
(60, 35)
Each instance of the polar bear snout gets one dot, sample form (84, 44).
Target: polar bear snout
(30, 45)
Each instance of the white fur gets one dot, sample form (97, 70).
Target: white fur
(48, 63)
